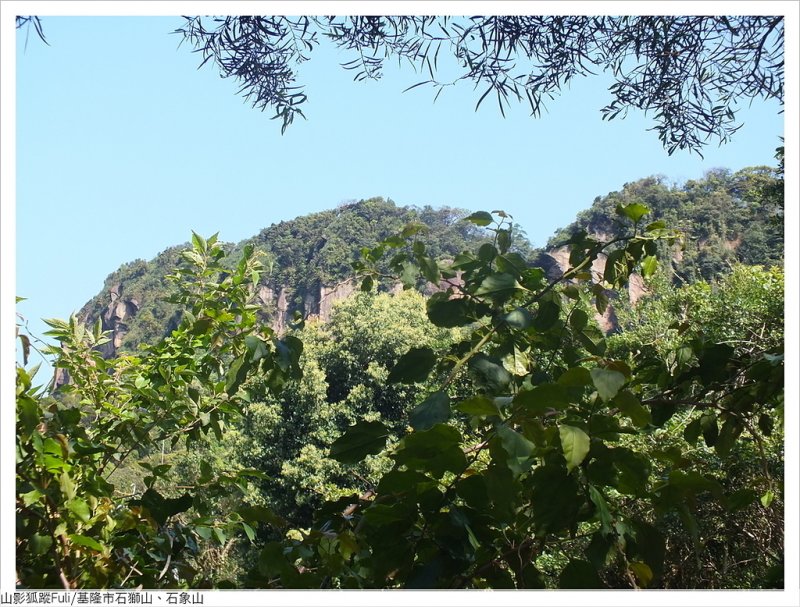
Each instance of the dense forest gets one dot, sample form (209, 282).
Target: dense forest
(455, 418)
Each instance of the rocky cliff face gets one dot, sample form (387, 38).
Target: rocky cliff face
(121, 309)
(608, 320)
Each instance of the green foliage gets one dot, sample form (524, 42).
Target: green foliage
(544, 455)
(487, 436)
(300, 257)
(725, 218)
(346, 403)
(74, 527)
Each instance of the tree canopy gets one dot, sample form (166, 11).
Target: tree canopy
(688, 72)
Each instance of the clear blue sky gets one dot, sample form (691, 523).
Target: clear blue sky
(124, 147)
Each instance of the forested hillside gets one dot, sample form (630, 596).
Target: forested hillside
(308, 265)
(725, 218)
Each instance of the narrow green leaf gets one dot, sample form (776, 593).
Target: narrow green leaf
(198, 242)
(603, 514)
(249, 531)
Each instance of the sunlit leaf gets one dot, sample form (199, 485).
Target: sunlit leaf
(574, 444)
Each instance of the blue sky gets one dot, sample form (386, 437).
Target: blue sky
(124, 147)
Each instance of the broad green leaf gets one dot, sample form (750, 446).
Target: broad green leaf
(256, 514)
(642, 572)
(519, 318)
(645, 544)
(575, 377)
(449, 313)
(29, 414)
(766, 424)
(413, 366)
(694, 482)
(511, 263)
(480, 218)
(616, 268)
(634, 211)
(408, 275)
(487, 252)
(578, 320)
(546, 315)
(740, 499)
(367, 283)
(633, 471)
(518, 448)
(478, 406)
(542, 398)
(249, 531)
(161, 508)
(630, 406)
(574, 444)
(498, 283)
(708, 424)
(39, 544)
(767, 498)
(607, 382)
(82, 540)
(359, 441)
(474, 491)
(429, 269)
(649, 266)
(433, 410)
(437, 450)
(79, 508)
(728, 434)
(556, 498)
(490, 372)
(692, 431)
(67, 485)
(31, 497)
(402, 481)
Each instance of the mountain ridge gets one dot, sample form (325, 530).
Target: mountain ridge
(728, 217)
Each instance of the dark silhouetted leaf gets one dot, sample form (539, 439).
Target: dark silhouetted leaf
(414, 366)
(433, 410)
(360, 440)
(579, 575)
